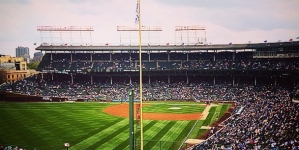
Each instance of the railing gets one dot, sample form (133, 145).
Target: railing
(190, 148)
(112, 44)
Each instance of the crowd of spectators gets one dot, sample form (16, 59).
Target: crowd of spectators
(157, 90)
(115, 66)
(269, 121)
(87, 62)
(12, 147)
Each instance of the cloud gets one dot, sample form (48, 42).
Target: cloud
(239, 15)
(225, 21)
(15, 2)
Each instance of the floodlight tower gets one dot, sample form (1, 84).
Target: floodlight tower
(129, 34)
(65, 34)
(190, 35)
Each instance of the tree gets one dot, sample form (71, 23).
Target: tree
(32, 65)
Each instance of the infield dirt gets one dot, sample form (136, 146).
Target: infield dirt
(122, 110)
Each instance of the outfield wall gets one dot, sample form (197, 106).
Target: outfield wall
(13, 97)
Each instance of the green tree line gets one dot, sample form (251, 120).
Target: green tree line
(32, 65)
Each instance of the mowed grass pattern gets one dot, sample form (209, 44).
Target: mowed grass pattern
(48, 126)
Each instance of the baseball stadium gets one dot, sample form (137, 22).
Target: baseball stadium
(187, 95)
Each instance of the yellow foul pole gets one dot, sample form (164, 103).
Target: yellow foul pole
(140, 77)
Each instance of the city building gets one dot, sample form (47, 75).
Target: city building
(37, 56)
(23, 52)
(13, 69)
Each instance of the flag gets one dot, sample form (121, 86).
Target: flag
(34, 43)
(167, 43)
(183, 44)
(106, 44)
(291, 40)
(230, 43)
(137, 13)
(265, 41)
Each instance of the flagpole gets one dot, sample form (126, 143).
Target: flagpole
(140, 78)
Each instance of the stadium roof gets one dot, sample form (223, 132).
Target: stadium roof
(106, 47)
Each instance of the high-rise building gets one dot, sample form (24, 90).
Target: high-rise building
(38, 56)
(23, 52)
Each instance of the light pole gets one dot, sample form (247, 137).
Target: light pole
(67, 145)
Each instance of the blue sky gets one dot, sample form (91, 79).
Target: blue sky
(225, 21)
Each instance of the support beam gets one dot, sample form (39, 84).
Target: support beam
(214, 55)
(233, 81)
(72, 79)
(254, 80)
(214, 81)
(234, 55)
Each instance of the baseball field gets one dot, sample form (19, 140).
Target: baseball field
(93, 125)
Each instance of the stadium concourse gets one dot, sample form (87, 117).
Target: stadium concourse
(259, 81)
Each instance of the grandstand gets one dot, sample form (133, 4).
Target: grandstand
(257, 76)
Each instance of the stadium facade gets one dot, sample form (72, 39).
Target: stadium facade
(239, 63)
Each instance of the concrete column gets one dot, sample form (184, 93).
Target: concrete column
(111, 80)
(130, 57)
(254, 80)
(72, 79)
(214, 55)
(233, 81)
(187, 80)
(214, 81)
(234, 56)
(130, 80)
(168, 79)
(91, 80)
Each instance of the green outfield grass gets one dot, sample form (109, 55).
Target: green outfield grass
(47, 126)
